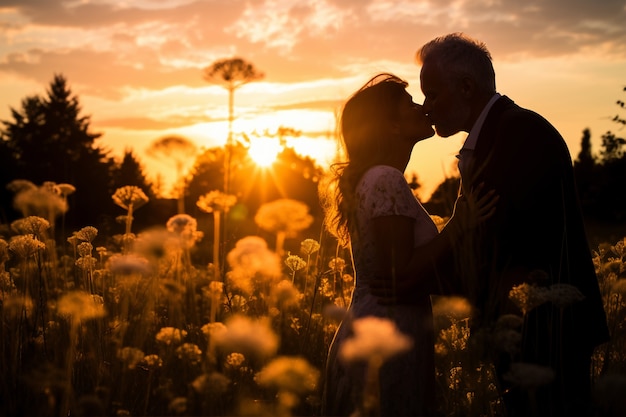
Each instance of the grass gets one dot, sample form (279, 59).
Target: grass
(134, 327)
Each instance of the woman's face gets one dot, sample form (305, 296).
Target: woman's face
(412, 122)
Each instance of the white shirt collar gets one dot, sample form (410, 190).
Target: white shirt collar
(472, 138)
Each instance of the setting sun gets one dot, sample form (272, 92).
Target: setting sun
(264, 151)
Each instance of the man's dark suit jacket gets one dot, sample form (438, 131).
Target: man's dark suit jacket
(538, 226)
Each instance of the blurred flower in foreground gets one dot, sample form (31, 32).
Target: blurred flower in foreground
(252, 338)
(285, 217)
(17, 306)
(288, 375)
(44, 201)
(186, 228)
(285, 295)
(178, 406)
(155, 243)
(454, 308)
(212, 384)
(79, 306)
(251, 263)
(130, 356)
(128, 264)
(374, 336)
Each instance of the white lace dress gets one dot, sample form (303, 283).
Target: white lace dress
(406, 381)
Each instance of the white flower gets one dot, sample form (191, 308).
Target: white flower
(309, 246)
(528, 296)
(337, 265)
(189, 352)
(289, 374)
(216, 201)
(152, 362)
(130, 197)
(170, 336)
(251, 263)
(285, 294)
(79, 305)
(295, 263)
(213, 383)
(453, 307)
(186, 228)
(252, 338)
(87, 233)
(284, 215)
(130, 356)
(374, 337)
(128, 264)
(25, 245)
(33, 225)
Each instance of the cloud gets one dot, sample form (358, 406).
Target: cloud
(152, 44)
(148, 123)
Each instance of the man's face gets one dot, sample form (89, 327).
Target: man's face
(444, 103)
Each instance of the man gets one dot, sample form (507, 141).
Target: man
(536, 235)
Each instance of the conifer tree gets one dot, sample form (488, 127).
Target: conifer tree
(49, 140)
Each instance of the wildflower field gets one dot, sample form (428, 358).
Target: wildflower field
(130, 325)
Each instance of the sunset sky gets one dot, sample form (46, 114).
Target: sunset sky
(136, 65)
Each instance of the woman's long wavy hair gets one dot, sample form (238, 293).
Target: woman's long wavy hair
(365, 123)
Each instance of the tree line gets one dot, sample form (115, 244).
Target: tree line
(49, 140)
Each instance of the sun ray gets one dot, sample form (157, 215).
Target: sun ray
(264, 150)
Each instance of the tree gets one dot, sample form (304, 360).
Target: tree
(181, 152)
(131, 172)
(585, 167)
(232, 73)
(49, 140)
(611, 201)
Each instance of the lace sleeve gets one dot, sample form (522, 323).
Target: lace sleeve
(385, 192)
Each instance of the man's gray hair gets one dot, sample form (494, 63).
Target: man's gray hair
(461, 56)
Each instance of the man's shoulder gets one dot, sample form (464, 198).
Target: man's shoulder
(513, 114)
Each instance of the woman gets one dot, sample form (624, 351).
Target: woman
(372, 209)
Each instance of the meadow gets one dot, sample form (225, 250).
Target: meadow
(130, 325)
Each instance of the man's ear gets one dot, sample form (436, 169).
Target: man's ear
(394, 127)
(468, 86)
